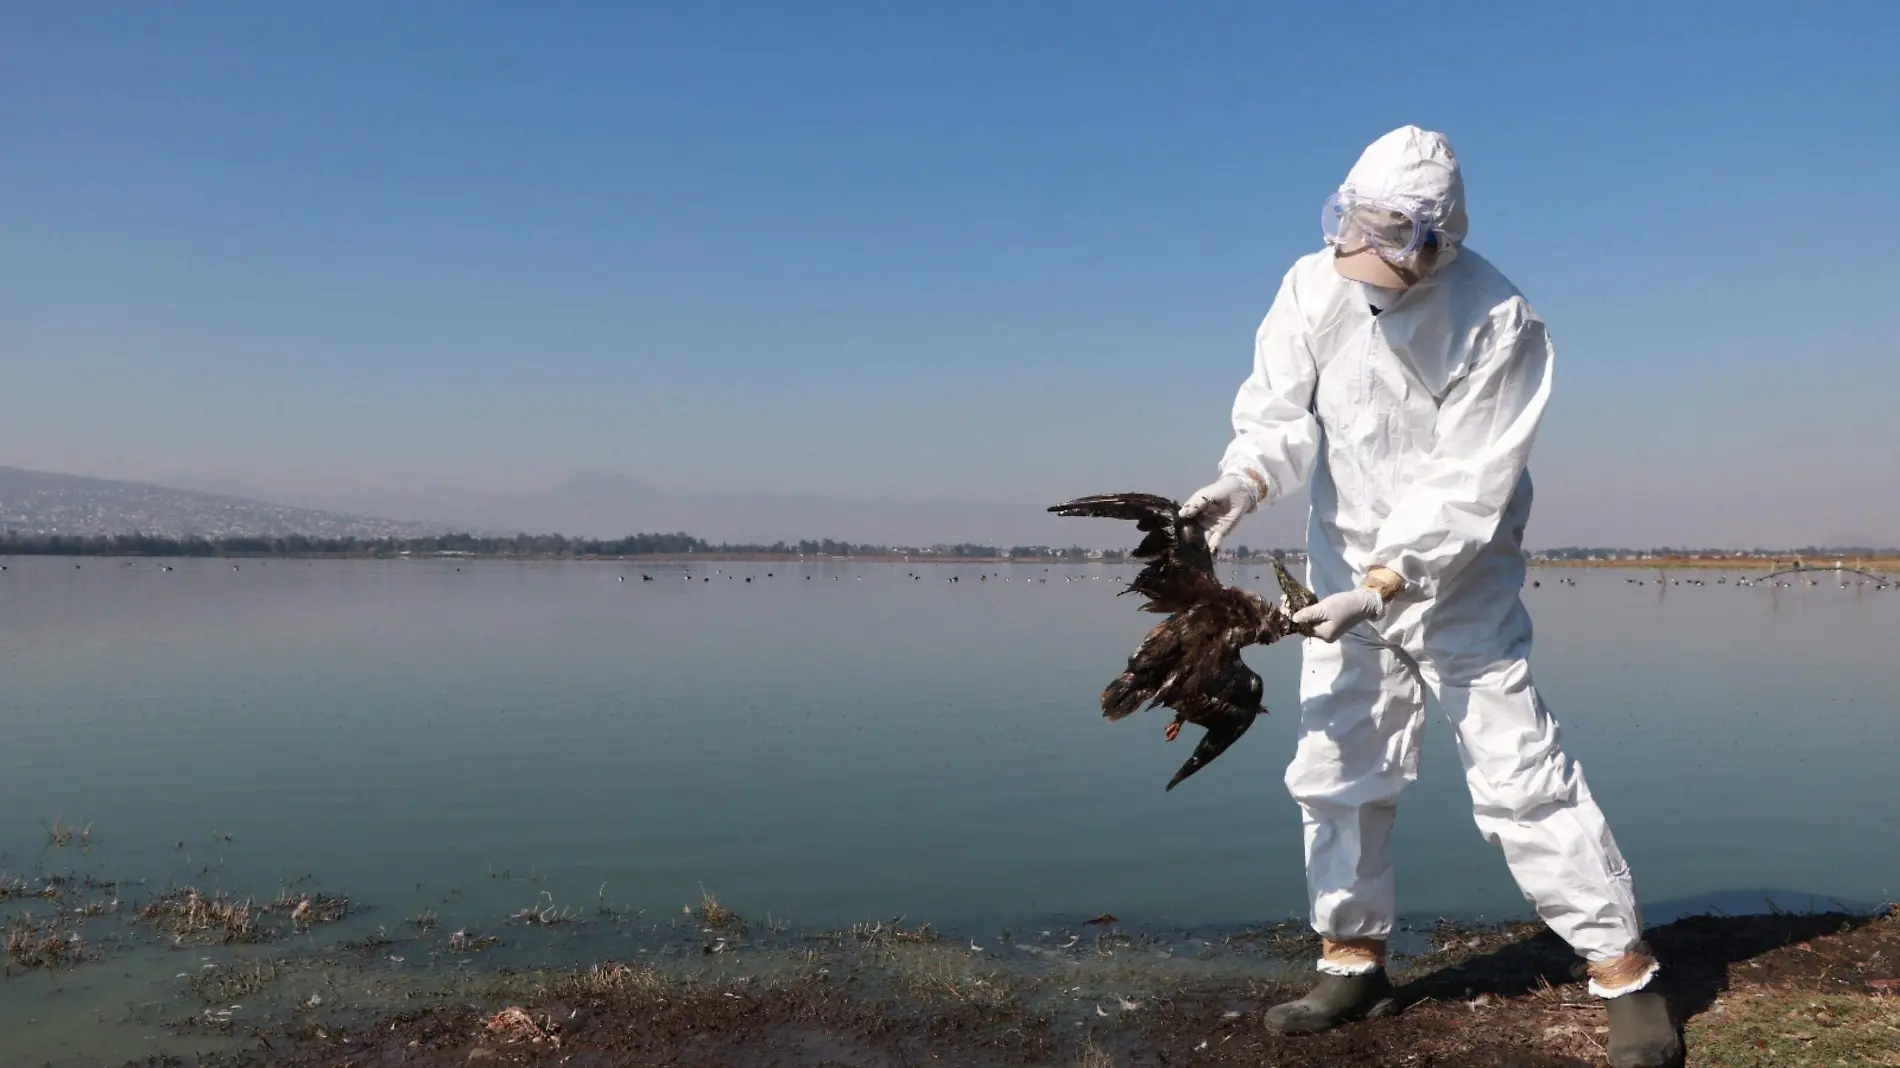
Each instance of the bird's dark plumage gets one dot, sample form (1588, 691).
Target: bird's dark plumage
(1191, 662)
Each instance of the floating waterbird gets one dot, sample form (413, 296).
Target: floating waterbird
(1191, 661)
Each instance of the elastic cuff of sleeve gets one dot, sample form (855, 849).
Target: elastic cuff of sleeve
(1255, 483)
(1380, 609)
(1385, 582)
(1415, 583)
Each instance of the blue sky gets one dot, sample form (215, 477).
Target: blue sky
(381, 255)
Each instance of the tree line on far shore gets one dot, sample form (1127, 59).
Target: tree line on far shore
(521, 545)
(15, 543)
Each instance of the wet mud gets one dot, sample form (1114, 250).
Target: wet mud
(1493, 997)
(307, 978)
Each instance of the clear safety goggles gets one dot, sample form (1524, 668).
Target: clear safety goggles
(1394, 229)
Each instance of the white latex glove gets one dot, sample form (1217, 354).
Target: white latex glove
(1219, 507)
(1335, 615)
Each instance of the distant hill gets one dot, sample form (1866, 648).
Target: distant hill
(39, 502)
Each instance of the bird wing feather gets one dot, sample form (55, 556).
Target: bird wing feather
(1180, 569)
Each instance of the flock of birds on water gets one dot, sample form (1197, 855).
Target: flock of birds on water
(1863, 582)
(1191, 661)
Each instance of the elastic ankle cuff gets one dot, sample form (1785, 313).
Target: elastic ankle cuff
(1352, 956)
(1623, 975)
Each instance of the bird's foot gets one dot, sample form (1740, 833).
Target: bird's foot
(1174, 730)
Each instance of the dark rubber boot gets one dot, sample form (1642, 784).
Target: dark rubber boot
(1334, 1000)
(1641, 1033)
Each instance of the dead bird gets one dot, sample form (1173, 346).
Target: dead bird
(1191, 661)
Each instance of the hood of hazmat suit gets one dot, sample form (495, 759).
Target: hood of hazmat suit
(1408, 177)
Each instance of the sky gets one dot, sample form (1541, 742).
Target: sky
(919, 270)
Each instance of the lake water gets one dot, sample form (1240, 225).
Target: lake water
(835, 742)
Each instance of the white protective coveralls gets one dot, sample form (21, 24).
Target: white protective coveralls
(1414, 427)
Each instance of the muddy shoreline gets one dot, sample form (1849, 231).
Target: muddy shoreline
(1756, 990)
(306, 978)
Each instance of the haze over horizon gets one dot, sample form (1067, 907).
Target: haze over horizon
(913, 274)
(611, 507)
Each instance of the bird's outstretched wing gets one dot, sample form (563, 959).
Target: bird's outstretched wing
(1180, 570)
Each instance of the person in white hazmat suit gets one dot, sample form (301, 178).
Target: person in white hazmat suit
(1403, 377)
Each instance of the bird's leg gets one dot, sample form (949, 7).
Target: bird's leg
(1279, 624)
(1174, 727)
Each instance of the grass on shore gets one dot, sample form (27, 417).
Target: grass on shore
(1771, 1028)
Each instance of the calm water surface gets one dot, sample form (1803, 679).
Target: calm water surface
(835, 742)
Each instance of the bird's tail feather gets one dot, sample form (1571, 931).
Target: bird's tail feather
(1211, 745)
(1123, 697)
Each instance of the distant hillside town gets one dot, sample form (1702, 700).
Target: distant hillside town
(37, 504)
